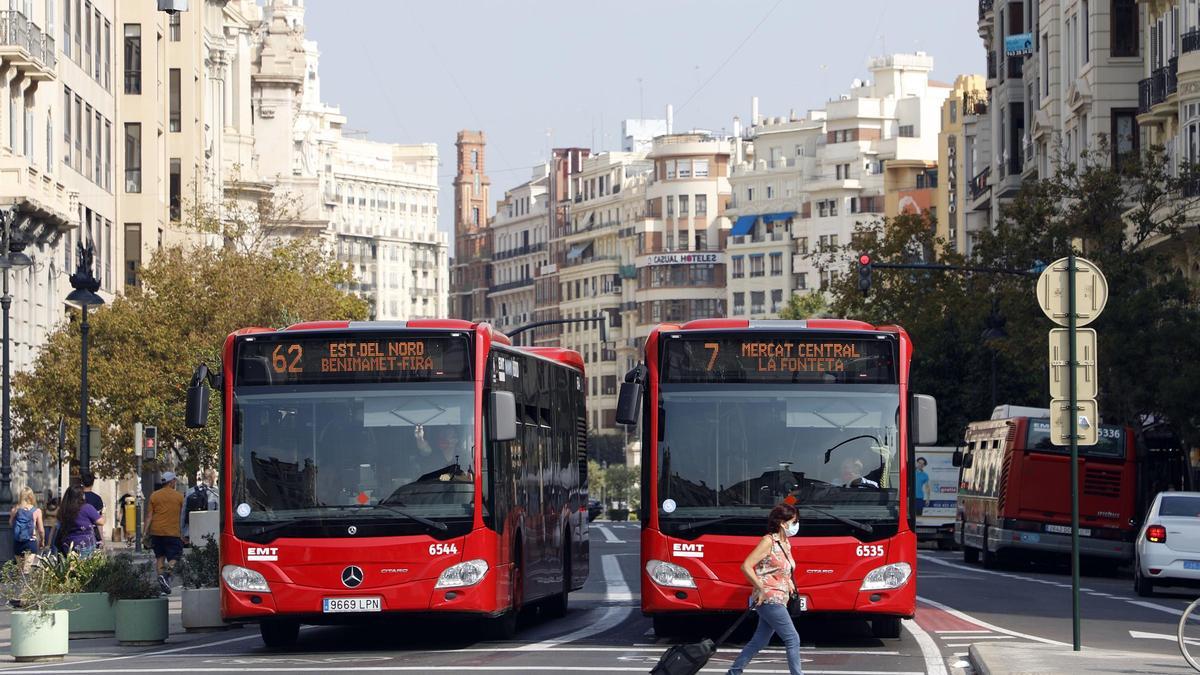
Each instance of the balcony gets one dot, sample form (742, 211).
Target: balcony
(1144, 95)
(979, 184)
(1014, 67)
(519, 251)
(519, 283)
(25, 46)
(1158, 86)
(1172, 76)
(1191, 40)
(49, 204)
(985, 8)
(991, 66)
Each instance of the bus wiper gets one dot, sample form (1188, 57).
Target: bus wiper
(424, 521)
(276, 526)
(841, 519)
(711, 521)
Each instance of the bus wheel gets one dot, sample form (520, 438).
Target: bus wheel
(668, 626)
(970, 555)
(557, 605)
(886, 627)
(504, 627)
(279, 633)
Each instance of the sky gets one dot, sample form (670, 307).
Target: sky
(539, 73)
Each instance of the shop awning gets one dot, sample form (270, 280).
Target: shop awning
(578, 250)
(743, 225)
(772, 217)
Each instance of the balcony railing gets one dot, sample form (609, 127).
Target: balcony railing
(985, 6)
(974, 105)
(1015, 67)
(979, 184)
(519, 251)
(1191, 40)
(511, 285)
(1158, 86)
(1144, 89)
(1172, 75)
(991, 66)
(16, 30)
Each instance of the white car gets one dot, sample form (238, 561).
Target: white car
(1167, 551)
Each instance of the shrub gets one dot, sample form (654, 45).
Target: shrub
(128, 579)
(33, 586)
(200, 568)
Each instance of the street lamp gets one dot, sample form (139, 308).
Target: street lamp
(85, 284)
(12, 256)
(990, 335)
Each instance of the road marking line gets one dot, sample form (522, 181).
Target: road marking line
(458, 668)
(945, 632)
(609, 537)
(934, 664)
(614, 582)
(983, 637)
(615, 588)
(1160, 636)
(983, 624)
(1161, 608)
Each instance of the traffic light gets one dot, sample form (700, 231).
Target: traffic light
(149, 442)
(864, 273)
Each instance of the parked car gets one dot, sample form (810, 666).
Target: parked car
(594, 509)
(1167, 551)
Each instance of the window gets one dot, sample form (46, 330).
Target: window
(175, 105)
(97, 44)
(906, 131)
(833, 203)
(67, 123)
(822, 208)
(739, 303)
(1123, 38)
(66, 42)
(175, 27)
(749, 194)
(86, 25)
(176, 189)
(670, 168)
(770, 191)
(756, 265)
(700, 169)
(685, 168)
(49, 142)
(133, 157)
(78, 133)
(1086, 26)
(802, 281)
(133, 58)
(108, 139)
(98, 171)
(776, 264)
(670, 205)
(756, 301)
(133, 252)
(776, 301)
(739, 267)
(107, 55)
(683, 205)
(474, 211)
(87, 157)
(802, 245)
(1125, 137)
(701, 205)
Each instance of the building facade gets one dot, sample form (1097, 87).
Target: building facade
(955, 147)
(470, 273)
(521, 237)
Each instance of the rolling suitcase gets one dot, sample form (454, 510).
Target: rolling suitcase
(689, 659)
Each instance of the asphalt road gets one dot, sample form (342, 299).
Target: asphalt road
(604, 632)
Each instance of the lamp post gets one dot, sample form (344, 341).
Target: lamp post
(85, 284)
(12, 256)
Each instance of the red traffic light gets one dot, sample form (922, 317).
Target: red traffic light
(864, 259)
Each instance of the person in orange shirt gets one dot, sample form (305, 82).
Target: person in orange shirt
(162, 528)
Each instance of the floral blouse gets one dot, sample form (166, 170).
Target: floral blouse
(775, 573)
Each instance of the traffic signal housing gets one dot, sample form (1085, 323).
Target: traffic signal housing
(150, 442)
(864, 273)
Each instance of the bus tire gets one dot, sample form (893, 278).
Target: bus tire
(504, 627)
(970, 555)
(279, 633)
(886, 627)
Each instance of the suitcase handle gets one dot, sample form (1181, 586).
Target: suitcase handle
(725, 636)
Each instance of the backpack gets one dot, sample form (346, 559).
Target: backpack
(198, 500)
(23, 525)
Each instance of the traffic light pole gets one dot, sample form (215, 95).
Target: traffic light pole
(954, 268)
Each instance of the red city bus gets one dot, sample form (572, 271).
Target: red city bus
(426, 467)
(739, 416)
(1014, 488)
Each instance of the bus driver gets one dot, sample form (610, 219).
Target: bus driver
(449, 451)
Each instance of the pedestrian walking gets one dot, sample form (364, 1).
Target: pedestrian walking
(200, 497)
(77, 523)
(769, 567)
(29, 532)
(162, 527)
(86, 481)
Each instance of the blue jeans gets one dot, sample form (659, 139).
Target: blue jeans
(772, 619)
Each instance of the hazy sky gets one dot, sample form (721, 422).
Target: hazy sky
(417, 72)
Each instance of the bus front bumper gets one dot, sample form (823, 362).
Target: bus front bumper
(1001, 538)
(842, 597)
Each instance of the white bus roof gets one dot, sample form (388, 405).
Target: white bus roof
(1003, 412)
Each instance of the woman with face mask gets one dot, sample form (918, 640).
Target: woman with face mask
(769, 568)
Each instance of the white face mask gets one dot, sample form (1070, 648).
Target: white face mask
(793, 528)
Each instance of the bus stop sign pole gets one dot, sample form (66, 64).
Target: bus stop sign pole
(1074, 415)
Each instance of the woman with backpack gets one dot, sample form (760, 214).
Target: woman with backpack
(77, 523)
(27, 527)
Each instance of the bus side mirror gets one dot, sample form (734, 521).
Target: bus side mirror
(956, 460)
(196, 416)
(924, 417)
(503, 416)
(968, 460)
(629, 403)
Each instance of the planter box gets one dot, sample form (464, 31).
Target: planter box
(39, 637)
(142, 622)
(202, 609)
(92, 615)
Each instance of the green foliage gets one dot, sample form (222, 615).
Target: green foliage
(1130, 223)
(33, 583)
(74, 573)
(805, 306)
(606, 447)
(201, 565)
(128, 579)
(144, 345)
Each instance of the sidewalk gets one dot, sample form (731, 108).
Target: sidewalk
(1010, 659)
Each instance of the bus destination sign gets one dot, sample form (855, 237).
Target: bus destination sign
(351, 358)
(765, 358)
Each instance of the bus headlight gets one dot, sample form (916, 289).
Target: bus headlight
(462, 574)
(244, 580)
(669, 574)
(887, 577)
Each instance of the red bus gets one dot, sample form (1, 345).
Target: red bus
(420, 467)
(738, 416)
(1014, 489)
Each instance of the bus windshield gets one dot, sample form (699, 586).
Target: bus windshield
(731, 452)
(319, 453)
(1111, 443)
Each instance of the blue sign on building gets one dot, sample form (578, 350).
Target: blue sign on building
(1018, 45)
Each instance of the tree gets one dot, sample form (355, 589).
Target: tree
(805, 306)
(608, 448)
(621, 482)
(145, 344)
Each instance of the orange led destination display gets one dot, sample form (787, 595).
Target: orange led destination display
(353, 359)
(765, 358)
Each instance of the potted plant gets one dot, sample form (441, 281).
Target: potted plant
(39, 629)
(81, 580)
(141, 610)
(201, 595)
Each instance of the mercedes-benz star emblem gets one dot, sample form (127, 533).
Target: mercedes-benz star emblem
(352, 576)
(352, 530)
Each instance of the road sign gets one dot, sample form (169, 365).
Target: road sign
(1085, 363)
(1060, 421)
(1091, 290)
